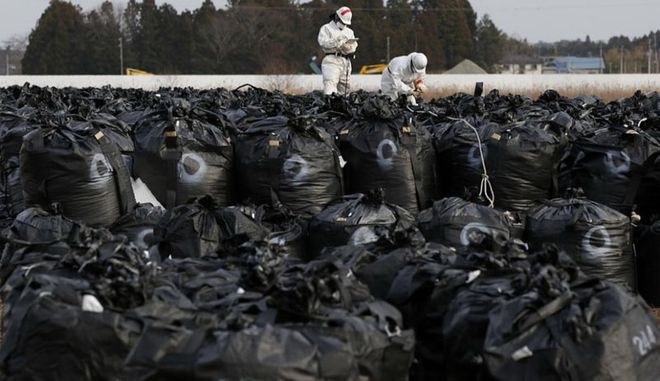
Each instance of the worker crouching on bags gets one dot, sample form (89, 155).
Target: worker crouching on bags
(339, 44)
(405, 76)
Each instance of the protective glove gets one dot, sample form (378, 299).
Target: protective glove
(411, 100)
(420, 86)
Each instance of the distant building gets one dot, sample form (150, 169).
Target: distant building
(520, 64)
(573, 65)
(520, 68)
(516, 68)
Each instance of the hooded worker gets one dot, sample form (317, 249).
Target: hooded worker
(339, 44)
(405, 76)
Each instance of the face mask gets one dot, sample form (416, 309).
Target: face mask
(340, 25)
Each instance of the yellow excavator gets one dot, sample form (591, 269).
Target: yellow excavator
(373, 69)
(366, 69)
(130, 71)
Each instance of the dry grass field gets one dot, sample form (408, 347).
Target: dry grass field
(606, 94)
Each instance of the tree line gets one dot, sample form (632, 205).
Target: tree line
(252, 36)
(279, 37)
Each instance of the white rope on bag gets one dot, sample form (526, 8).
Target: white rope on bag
(485, 187)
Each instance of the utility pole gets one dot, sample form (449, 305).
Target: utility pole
(7, 61)
(388, 49)
(601, 58)
(121, 56)
(621, 64)
(655, 48)
(650, 56)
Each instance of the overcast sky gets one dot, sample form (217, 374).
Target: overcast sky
(536, 20)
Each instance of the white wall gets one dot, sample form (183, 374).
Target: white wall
(503, 82)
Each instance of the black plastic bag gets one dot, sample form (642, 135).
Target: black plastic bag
(286, 229)
(594, 332)
(423, 291)
(35, 225)
(596, 237)
(189, 230)
(288, 161)
(354, 214)
(388, 151)
(455, 222)
(73, 343)
(466, 322)
(236, 227)
(609, 164)
(80, 168)
(180, 156)
(523, 165)
(203, 229)
(460, 164)
(376, 271)
(139, 225)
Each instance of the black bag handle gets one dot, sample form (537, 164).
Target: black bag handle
(547, 310)
(409, 140)
(172, 154)
(123, 181)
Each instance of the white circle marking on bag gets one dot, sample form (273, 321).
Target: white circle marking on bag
(472, 226)
(141, 237)
(474, 156)
(386, 161)
(296, 168)
(617, 162)
(192, 168)
(596, 242)
(100, 167)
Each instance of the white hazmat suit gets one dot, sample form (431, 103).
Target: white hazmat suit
(338, 43)
(402, 78)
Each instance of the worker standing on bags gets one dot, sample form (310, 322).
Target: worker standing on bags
(405, 76)
(339, 44)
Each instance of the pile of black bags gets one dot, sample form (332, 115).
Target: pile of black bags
(336, 238)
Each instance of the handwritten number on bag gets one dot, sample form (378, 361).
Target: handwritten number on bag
(644, 341)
